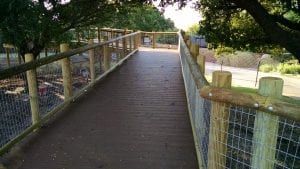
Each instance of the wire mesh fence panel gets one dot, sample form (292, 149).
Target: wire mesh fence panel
(50, 87)
(15, 113)
(169, 41)
(240, 142)
(80, 68)
(9, 57)
(98, 61)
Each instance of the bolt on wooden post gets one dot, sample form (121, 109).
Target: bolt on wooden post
(92, 62)
(66, 72)
(33, 91)
(266, 126)
(219, 122)
(106, 54)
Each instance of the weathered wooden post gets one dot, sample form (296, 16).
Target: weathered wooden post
(201, 63)
(124, 44)
(218, 124)
(194, 48)
(98, 34)
(106, 54)
(7, 47)
(130, 43)
(153, 39)
(118, 50)
(33, 91)
(135, 41)
(66, 72)
(92, 62)
(266, 126)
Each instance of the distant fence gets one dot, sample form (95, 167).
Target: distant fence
(160, 40)
(31, 93)
(234, 129)
(199, 40)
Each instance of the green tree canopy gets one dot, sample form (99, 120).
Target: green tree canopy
(32, 24)
(145, 18)
(250, 23)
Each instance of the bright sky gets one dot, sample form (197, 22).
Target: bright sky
(183, 18)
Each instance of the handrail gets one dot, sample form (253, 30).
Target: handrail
(52, 58)
(266, 104)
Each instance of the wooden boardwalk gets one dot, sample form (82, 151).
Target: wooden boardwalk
(136, 118)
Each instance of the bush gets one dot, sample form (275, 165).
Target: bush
(267, 68)
(289, 68)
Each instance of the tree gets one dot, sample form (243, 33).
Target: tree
(32, 24)
(250, 24)
(193, 29)
(145, 18)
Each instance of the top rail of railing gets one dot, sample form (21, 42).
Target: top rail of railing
(43, 61)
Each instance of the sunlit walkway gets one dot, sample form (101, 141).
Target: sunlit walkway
(137, 118)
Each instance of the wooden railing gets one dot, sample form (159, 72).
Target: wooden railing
(234, 129)
(51, 83)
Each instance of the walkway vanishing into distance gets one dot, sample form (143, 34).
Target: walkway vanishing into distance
(136, 118)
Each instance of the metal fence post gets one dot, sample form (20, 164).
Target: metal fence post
(92, 62)
(218, 124)
(33, 91)
(266, 126)
(66, 72)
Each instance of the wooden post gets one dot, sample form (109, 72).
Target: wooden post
(33, 91)
(66, 72)
(7, 57)
(106, 54)
(135, 41)
(118, 50)
(99, 34)
(124, 44)
(130, 43)
(194, 48)
(188, 43)
(266, 126)
(19, 57)
(153, 40)
(201, 63)
(92, 62)
(218, 124)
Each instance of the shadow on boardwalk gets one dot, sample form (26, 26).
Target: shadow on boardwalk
(136, 118)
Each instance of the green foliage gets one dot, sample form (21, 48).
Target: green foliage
(145, 18)
(31, 25)
(193, 29)
(289, 68)
(223, 50)
(252, 25)
(267, 68)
